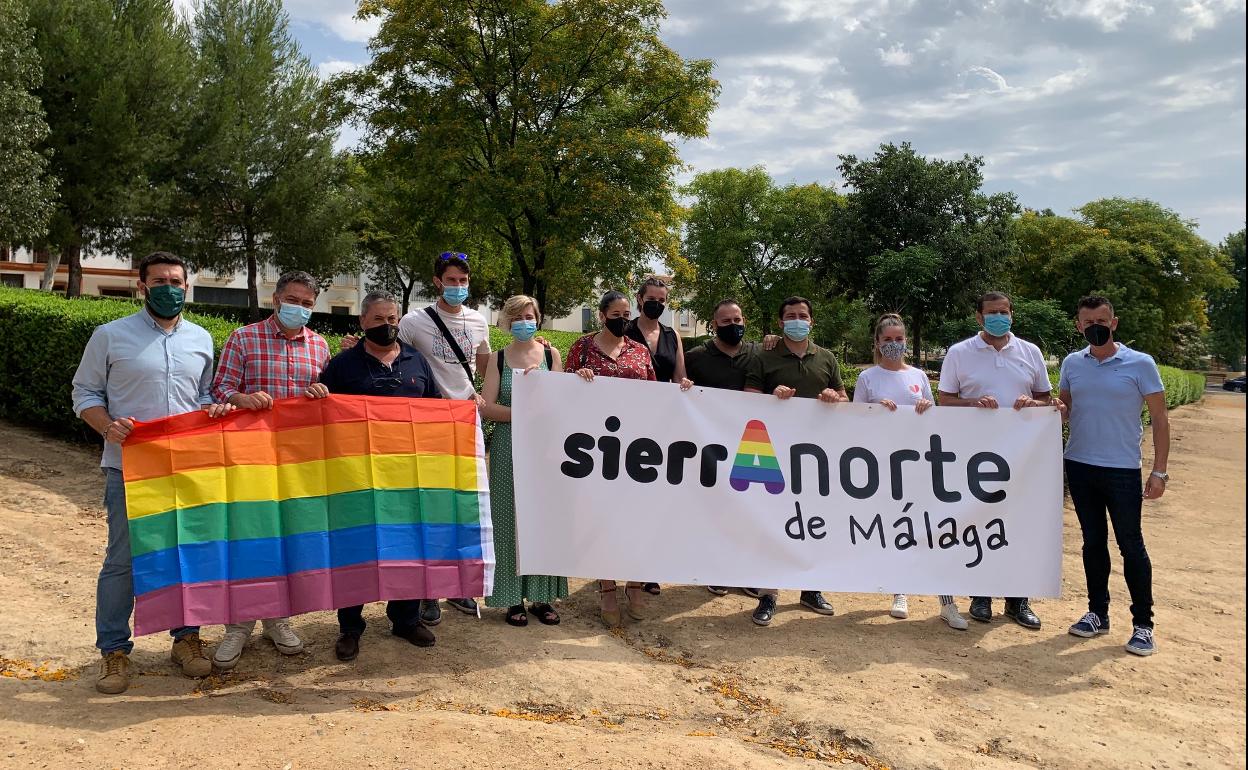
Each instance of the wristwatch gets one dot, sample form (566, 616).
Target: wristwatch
(1161, 475)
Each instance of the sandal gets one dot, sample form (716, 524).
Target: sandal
(636, 606)
(651, 588)
(516, 616)
(546, 614)
(610, 617)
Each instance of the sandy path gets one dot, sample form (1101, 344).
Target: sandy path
(696, 687)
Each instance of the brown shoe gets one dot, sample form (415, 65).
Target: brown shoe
(114, 673)
(188, 653)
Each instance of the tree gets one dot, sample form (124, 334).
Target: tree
(751, 240)
(559, 119)
(1146, 259)
(115, 80)
(916, 235)
(27, 193)
(257, 178)
(1041, 321)
(1226, 307)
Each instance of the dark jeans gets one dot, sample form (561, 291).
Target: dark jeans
(403, 614)
(1094, 490)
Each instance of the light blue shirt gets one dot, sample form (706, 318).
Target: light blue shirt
(1106, 399)
(133, 368)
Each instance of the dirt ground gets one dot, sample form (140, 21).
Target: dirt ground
(696, 687)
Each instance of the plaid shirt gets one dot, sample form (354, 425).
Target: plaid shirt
(260, 356)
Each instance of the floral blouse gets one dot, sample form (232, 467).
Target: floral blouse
(633, 364)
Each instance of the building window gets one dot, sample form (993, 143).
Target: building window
(684, 318)
(344, 279)
(219, 295)
(340, 310)
(116, 291)
(13, 280)
(587, 319)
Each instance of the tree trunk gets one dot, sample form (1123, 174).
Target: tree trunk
(51, 260)
(253, 287)
(72, 255)
(916, 339)
(407, 293)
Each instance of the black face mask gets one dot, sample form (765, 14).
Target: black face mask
(1097, 334)
(732, 334)
(652, 308)
(616, 326)
(383, 335)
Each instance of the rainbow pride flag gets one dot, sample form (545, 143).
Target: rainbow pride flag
(311, 505)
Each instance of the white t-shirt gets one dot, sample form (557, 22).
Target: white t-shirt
(470, 331)
(903, 388)
(974, 369)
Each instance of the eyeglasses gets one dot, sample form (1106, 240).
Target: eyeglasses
(447, 255)
(387, 383)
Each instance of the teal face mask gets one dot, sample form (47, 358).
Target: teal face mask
(797, 329)
(293, 316)
(998, 324)
(454, 295)
(524, 330)
(165, 301)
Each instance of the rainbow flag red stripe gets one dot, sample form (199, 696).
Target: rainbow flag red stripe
(311, 505)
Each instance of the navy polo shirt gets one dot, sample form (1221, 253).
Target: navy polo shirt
(355, 372)
(1106, 399)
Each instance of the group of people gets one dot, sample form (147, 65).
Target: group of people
(155, 363)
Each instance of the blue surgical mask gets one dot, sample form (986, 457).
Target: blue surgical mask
(797, 329)
(523, 331)
(454, 295)
(998, 324)
(293, 316)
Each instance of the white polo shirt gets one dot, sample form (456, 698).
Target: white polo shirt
(974, 369)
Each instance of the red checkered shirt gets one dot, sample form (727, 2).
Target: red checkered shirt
(260, 356)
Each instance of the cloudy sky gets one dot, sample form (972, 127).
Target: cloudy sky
(1066, 100)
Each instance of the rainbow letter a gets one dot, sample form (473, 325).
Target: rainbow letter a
(756, 461)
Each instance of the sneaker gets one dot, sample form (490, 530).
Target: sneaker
(1090, 625)
(718, 590)
(753, 593)
(231, 647)
(814, 601)
(981, 609)
(1020, 612)
(114, 676)
(430, 612)
(901, 607)
(188, 654)
(1141, 642)
(466, 606)
(766, 610)
(949, 613)
(283, 637)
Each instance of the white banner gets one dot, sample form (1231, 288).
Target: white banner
(640, 481)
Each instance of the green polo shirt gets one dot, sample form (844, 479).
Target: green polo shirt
(809, 375)
(710, 367)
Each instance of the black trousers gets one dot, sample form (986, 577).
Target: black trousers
(1096, 490)
(403, 614)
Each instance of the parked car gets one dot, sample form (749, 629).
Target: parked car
(1235, 384)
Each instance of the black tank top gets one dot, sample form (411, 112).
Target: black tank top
(664, 359)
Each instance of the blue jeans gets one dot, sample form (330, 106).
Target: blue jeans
(114, 592)
(1096, 490)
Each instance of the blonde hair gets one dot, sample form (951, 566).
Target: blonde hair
(887, 321)
(516, 305)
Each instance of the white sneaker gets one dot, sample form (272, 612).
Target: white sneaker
(284, 638)
(231, 647)
(949, 613)
(901, 607)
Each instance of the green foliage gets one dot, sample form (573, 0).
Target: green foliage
(1148, 261)
(1182, 387)
(916, 236)
(27, 193)
(1042, 322)
(1226, 307)
(556, 122)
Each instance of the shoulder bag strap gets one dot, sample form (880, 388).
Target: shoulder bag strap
(446, 334)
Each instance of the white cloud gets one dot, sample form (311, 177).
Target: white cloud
(1200, 15)
(895, 56)
(327, 69)
(1109, 14)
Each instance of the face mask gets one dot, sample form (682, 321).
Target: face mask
(383, 335)
(732, 334)
(454, 295)
(523, 331)
(616, 326)
(293, 316)
(165, 301)
(998, 324)
(1097, 334)
(797, 329)
(652, 308)
(893, 351)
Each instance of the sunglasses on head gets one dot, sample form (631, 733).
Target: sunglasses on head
(444, 256)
